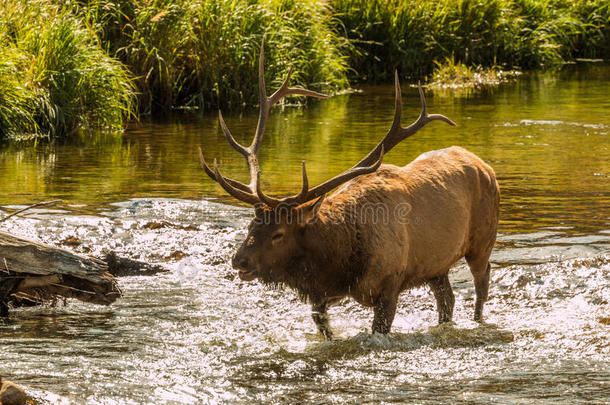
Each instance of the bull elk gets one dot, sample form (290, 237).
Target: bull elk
(331, 248)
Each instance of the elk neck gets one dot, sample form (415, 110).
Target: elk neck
(333, 257)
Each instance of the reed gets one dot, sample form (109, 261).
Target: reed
(54, 76)
(204, 54)
(93, 63)
(450, 77)
(412, 34)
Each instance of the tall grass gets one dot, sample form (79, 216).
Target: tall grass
(412, 34)
(17, 103)
(75, 64)
(595, 40)
(204, 53)
(54, 76)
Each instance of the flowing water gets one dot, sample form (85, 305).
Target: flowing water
(199, 335)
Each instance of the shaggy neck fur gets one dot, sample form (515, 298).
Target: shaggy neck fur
(332, 261)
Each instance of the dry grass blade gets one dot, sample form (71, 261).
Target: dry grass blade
(40, 204)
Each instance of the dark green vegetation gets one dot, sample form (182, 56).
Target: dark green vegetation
(205, 53)
(54, 75)
(411, 35)
(88, 64)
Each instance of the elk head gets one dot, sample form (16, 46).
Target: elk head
(276, 236)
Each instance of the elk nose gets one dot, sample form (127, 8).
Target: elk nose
(240, 262)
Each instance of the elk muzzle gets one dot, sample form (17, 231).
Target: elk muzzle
(246, 271)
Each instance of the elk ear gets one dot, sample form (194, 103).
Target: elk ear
(308, 212)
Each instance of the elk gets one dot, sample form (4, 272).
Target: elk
(442, 207)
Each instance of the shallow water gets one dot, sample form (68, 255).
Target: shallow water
(199, 335)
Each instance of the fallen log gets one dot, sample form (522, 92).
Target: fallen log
(32, 273)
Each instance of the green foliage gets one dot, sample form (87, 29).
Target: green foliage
(58, 72)
(411, 34)
(17, 103)
(205, 53)
(54, 76)
(594, 42)
(452, 75)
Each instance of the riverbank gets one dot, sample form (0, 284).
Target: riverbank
(101, 63)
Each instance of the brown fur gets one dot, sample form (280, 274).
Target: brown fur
(353, 244)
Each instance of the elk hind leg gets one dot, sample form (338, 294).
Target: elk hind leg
(480, 270)
(441, 288)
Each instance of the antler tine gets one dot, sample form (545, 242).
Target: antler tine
(342, 178)
(235, 192)
(263, 108)
(238, 147)
(269, 201)
(212, 175)
(305, 187)
(205, 166)
(284, 91)
(301, 197)
(275, 97)
(262, 89)
(397, 103)
(430, 117)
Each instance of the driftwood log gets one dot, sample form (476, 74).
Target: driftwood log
(32, 273)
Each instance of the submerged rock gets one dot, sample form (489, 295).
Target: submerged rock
(122, 266)
(11, 394)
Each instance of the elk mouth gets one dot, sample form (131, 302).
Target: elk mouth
(247, 275)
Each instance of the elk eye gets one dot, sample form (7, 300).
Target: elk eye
(277, 236)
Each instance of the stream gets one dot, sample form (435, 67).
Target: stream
(197, 334)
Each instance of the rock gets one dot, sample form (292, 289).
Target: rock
(71, 241)
(122, 266)
(12, 394)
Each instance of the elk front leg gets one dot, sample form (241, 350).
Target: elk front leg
(385, 309)
(320, 317)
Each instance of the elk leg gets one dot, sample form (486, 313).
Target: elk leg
(385, 309)
(481, 288)
(3, 309)
(445, 300)
(320, 317)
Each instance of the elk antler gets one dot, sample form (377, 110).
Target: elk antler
(251, 193)
(396, 134)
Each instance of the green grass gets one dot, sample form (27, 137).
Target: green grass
(452, 76)
(54, 76)
(412, 34)
(205, 53)
(67, 65)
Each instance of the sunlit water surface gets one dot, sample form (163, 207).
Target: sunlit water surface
(199, 335)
